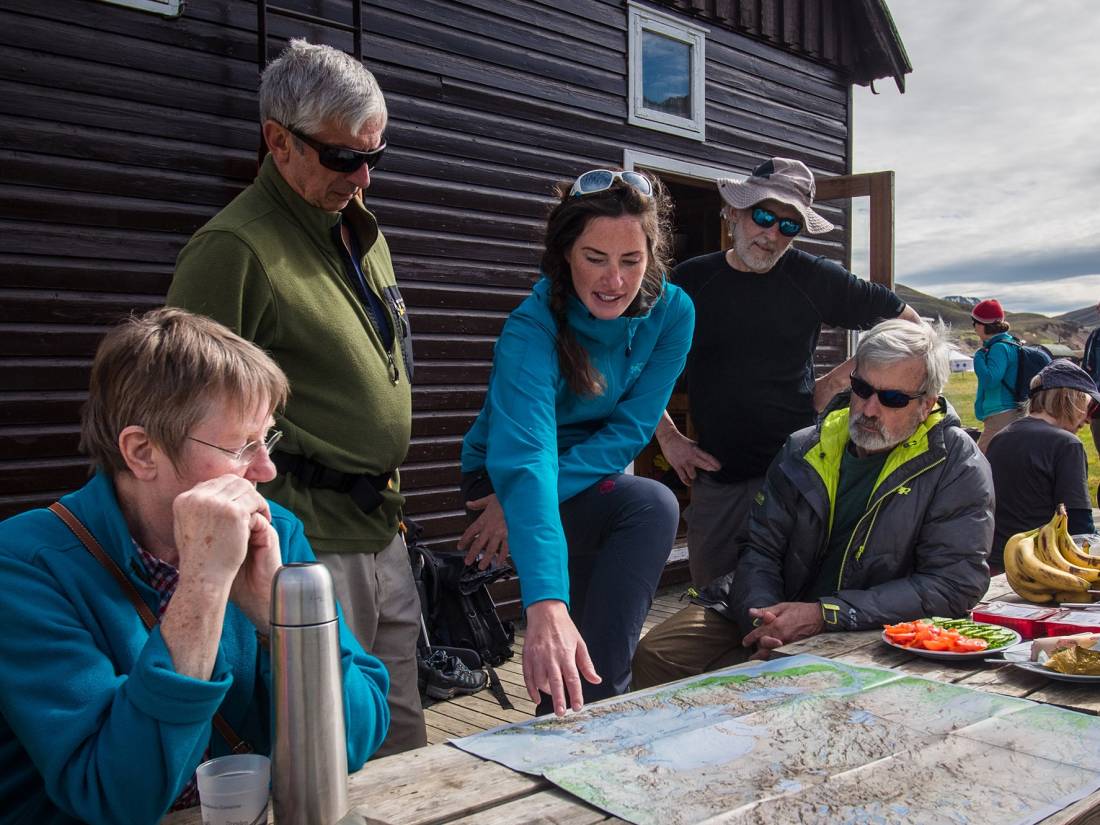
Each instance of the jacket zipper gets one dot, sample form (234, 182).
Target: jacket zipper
(395, 375)
(873, 512)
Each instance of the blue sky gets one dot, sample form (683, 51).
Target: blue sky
(996, 149)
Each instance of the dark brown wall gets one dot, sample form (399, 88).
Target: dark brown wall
(122, 132)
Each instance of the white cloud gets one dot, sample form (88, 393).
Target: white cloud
(1051, 297)
(994, 143)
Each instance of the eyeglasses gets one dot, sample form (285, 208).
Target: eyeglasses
(600, 180)
(247, 454)
(339, 158)
(765, 219)
(895, 399)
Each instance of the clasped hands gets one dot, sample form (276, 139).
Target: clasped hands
(223, 534)
(782, 624)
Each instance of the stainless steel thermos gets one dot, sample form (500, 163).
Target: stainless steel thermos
(309, 754)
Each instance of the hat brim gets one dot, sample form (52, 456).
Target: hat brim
(978, 320)
(743, 194)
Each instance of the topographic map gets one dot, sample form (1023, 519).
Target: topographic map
(809, 740)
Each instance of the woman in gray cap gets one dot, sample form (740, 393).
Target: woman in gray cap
(1039, 462)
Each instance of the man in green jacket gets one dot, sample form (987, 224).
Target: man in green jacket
(881, 513)
(296, 264)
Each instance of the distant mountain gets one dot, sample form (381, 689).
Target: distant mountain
(963, 300)
(1070, 329)
(1087, 317)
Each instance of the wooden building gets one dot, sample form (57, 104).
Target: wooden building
(124, 125)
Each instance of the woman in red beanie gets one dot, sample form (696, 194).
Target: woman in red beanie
(995, 364)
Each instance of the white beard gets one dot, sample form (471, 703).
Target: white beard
(751, 255)
(879, 438)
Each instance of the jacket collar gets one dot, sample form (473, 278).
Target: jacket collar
(96, 505)
(1000, 337)
(594, 330)
(824, 452)
(317, 223)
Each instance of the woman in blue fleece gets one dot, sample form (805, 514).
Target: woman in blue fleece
(995, 366)
(101, 720)
(582, 372)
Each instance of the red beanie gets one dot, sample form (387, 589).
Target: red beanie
(988, 312)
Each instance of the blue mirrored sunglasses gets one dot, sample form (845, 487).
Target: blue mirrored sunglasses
(895, 399)
(600, 180)
(765, 219)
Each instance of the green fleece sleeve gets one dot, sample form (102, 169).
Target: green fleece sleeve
(220, 276)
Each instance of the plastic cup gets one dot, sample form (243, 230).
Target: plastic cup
(234, 790)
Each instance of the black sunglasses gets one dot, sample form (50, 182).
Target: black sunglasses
(339, 158)
(895, 399)
(765, 219)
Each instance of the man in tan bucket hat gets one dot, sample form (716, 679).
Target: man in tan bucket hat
(759, 309)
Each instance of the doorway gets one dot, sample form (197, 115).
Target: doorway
(698, 230)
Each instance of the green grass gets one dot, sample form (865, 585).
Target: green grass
(960, 391)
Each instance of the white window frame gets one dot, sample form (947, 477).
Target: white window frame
(165, 8)
(642, 19)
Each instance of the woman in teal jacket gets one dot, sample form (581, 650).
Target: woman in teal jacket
(101, 720)
(995, 364)
(581, 374)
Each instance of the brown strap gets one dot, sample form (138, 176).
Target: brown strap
(235, 742)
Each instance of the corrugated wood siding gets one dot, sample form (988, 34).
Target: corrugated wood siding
(124, 132)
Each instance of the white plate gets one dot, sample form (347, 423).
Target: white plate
(950, 656)
(1020, 656)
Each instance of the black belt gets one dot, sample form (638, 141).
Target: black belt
(364, 489)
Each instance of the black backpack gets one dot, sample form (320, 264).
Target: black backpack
(459, 614)
(1029, 361)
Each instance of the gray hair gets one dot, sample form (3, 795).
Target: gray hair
(309, 86)
(897, 340)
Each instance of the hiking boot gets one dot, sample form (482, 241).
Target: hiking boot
(445, 676)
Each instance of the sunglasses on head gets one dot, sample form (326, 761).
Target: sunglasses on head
(895, 399)
(338, 158)
(600, 180)
(765, 219)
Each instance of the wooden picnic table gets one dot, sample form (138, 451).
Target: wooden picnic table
(442, 784)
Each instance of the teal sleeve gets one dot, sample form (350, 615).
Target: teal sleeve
(630, 427)
(366, 682)
(111, 748)
(521, 456)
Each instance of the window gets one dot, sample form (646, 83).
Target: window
(168, 8)
(667, 73)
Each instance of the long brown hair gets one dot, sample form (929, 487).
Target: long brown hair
(567, 221)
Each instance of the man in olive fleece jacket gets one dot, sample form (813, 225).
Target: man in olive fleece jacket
(296, 264)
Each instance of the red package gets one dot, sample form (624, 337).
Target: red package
(1030, 621)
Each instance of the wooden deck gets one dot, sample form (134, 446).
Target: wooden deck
(464, 715)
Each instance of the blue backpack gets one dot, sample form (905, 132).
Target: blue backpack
(1029, 360)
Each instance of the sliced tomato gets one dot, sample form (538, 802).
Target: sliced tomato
(901, 627)
(926, 631)
(935, 643)
(901, 638)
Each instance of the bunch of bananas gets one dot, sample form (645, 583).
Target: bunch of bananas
(1045, 564)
